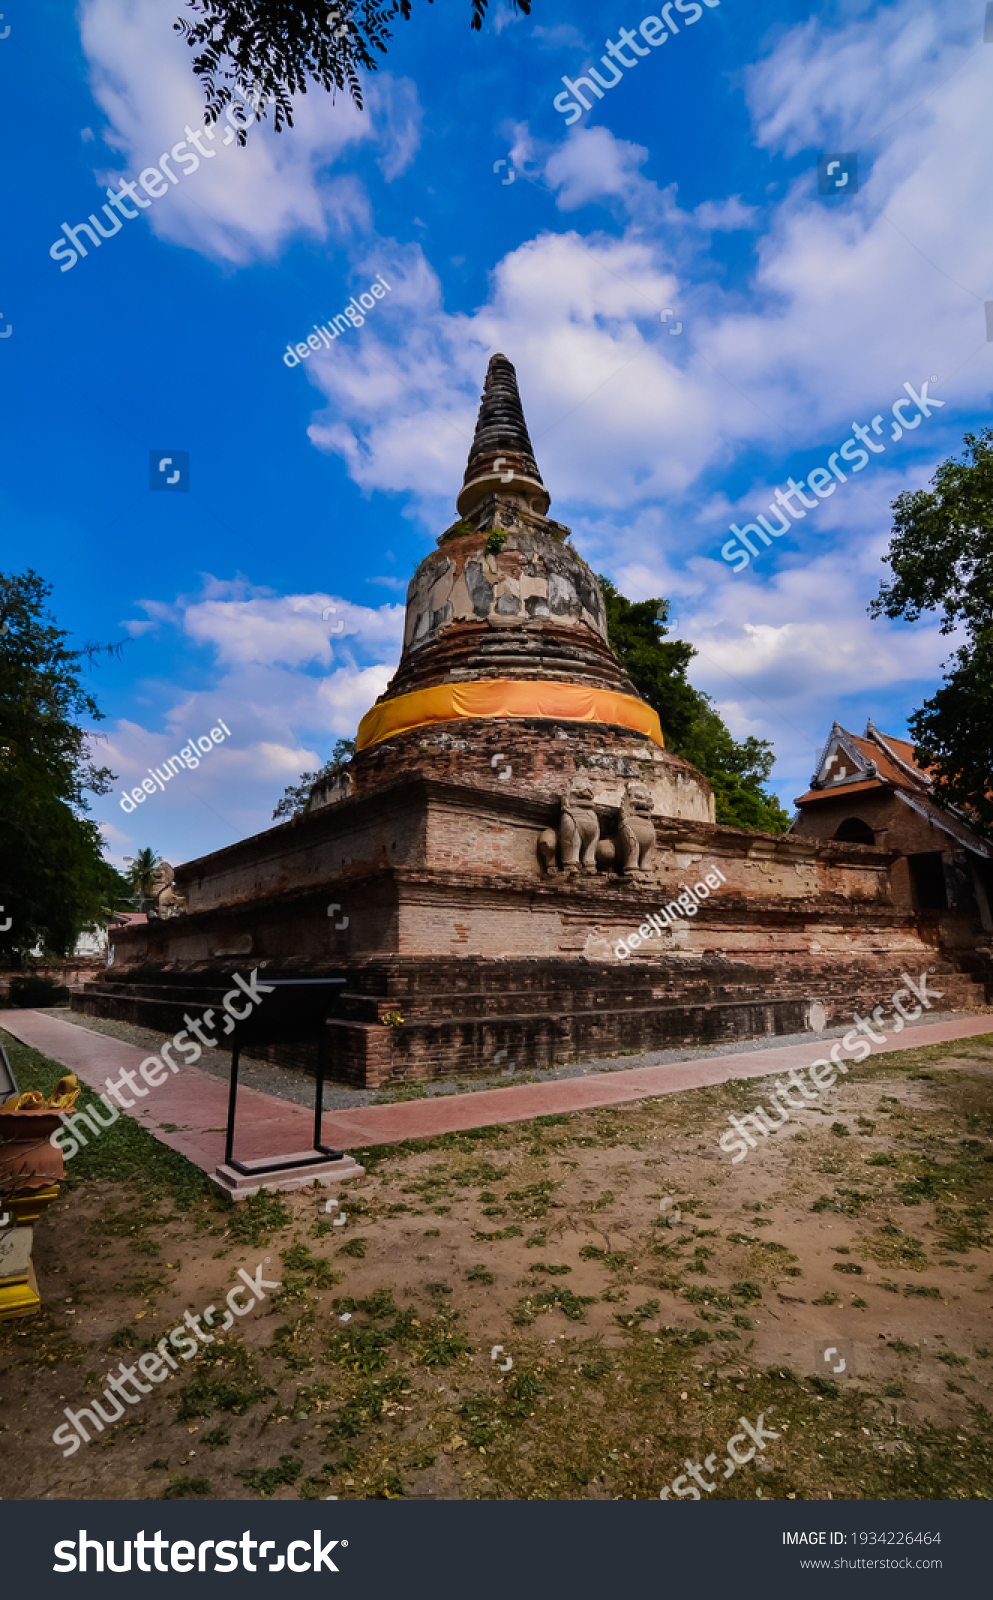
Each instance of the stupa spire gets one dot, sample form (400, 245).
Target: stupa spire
(502, 459)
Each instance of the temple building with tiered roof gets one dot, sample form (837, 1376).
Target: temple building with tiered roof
(871, 790)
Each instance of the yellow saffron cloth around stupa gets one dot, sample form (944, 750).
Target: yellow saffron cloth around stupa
(507, 697)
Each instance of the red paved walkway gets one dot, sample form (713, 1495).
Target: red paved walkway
(197, 1102)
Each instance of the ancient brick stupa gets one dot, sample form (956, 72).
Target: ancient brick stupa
(506, 643)
(510, 816)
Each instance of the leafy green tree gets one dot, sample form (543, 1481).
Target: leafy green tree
(296, 796)
(53, 874)
(141, 870)
(953, 735)
(272, 49)
(736, 770)
(941, 556)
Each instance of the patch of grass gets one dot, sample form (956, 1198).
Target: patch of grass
(848, 1202)
(180, 1487)
(478, 1172)
(257, 1216)
(828, 1298)
(596, 1367)
(553, 1271)
(888, 1246)
(315, 1487)
(361, 1349)
(266, 1480)
(503, 1233)
(123, 1339)
(355, 1247)
(379, 1305)
(698, 1295)
(614, 1259)
(224, 1379)
(316, 1269)
(535, 1200)
(902, 1348)
(846, 1266)
(480, 1274)
(216, 1438)
(840, 1130)
(443, 1347)
(571, 1305)
(289, 1342)
(748, 1291)
(925, 1290)
(952, 1360)
(640, 1314)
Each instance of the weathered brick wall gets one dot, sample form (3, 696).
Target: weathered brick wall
(900, 828)
(479, 1017)
(530, 758)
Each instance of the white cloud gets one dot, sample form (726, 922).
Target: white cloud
(283, 718)
(561, 36)
(724, 216)
(242, 204)
(284, 691)
(248, 623)
(591, 164)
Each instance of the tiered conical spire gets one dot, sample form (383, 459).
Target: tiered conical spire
(501, 457)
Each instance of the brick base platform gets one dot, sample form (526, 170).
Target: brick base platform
(486, 1017)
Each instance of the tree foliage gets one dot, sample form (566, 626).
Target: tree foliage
(54, 877)
(736, 770)
(141, 871)
(941, 556)
(953, 735)
(296, 796)
(271, 50)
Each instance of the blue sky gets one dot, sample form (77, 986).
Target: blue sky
(691, 185)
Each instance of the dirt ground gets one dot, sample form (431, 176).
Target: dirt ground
(637, 1339)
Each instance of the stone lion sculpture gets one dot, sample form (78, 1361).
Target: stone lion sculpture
(168, 902)
(578, 831)
(636, 830)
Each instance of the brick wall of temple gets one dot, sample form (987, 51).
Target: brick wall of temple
(530, 758)
(900, 828)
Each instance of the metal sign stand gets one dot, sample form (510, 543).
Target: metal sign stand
(271, 1024)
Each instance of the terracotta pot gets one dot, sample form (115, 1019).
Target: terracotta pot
(28, 1159)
